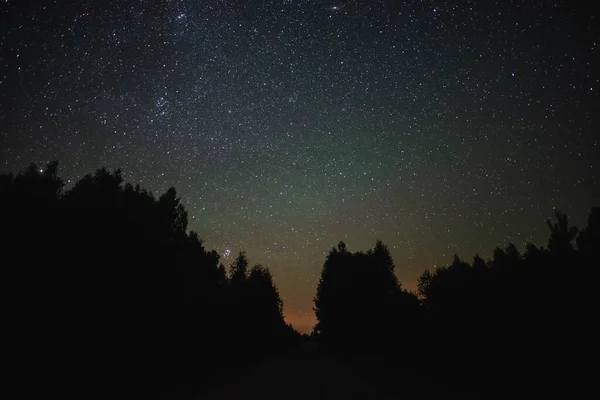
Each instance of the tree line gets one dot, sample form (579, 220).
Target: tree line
(108, 291)
(516, 322)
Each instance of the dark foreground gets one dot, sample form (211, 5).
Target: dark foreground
(308, 373)
(305, 373)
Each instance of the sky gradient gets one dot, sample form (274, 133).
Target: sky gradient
(439, 127)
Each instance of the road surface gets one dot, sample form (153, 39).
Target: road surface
(302, 375)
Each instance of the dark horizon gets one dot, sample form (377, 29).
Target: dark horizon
(107, 279)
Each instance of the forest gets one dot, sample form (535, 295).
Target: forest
(106, 289)
(516, 323)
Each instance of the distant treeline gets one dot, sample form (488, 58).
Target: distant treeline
(106, 291)
(515, 323)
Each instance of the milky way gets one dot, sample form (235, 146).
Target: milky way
(440, 127)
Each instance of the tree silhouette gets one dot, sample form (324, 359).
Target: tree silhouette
(562, 236)
(108, 275)
(264, 294)
(173, 214)
(238, 271)
(358, 299)
(515, 307)
(589, 238)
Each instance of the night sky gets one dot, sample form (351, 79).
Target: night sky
(440, 127)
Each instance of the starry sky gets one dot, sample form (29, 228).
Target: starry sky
(440, 127)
